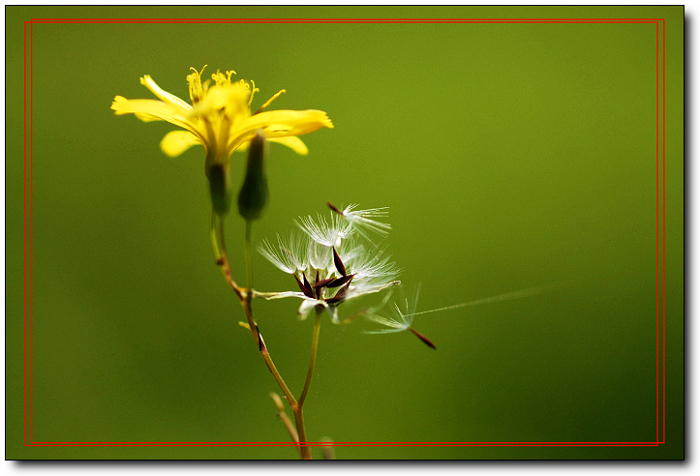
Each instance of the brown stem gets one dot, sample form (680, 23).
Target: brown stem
(219, 245)
(303, 446)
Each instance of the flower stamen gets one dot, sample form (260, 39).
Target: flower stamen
(269, 101)
(253, 90)
(222, 79)
(195, 81)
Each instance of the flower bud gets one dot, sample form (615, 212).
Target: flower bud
(253, 195)
(220, 188)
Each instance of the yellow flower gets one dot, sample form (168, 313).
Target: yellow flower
(220, 118)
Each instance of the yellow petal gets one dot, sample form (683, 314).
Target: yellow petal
(293, 142)
(163, 95)
(121, 106)
(279, 124)
(152, 110)
(147, 117)
(296, 122)
(243, 147)
(176, 142)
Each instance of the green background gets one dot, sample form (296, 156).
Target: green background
(511, 156)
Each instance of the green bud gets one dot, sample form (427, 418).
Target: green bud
(220, 188)
(253, 195)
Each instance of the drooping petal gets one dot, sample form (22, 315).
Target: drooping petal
(176, 142)
(243, 147)
(293, 142)
(163, 95)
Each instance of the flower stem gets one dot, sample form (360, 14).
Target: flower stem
(216, 233)
(247, 303)
(304, 449)
(299, 410)
(248, 260)
(247, 307)
(245, 295)
(312, 363)
(278, 377)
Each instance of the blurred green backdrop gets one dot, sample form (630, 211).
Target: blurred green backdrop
(510, 155)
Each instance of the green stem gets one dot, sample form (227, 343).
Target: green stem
(299, 409)
(247, 303)
(212, 236)
(312, 363)
(248, 260)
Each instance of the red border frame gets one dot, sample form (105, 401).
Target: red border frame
(660, 151)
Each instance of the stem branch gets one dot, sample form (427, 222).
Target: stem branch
(245, 295)
(285, 419)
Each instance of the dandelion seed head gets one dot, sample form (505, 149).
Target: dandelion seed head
(330, 264)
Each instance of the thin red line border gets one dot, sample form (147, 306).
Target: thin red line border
(660, 152)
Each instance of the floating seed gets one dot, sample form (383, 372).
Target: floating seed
(425, 340)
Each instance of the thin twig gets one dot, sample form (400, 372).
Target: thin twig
(285, 419)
